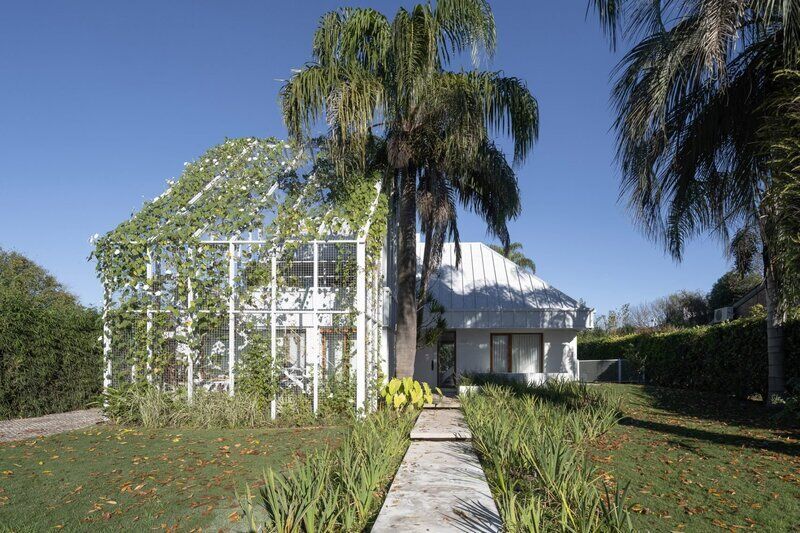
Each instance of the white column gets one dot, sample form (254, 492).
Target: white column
(361, 326)
(149, 326)
(231, 318)
(315, 344)
(106, 343)
(273, 288)
(189, 333)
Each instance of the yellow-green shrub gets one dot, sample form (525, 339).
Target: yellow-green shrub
(407, 393)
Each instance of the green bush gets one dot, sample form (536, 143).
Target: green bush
(338, 489)
(144, 404)
(728, 358)
(533, 442)
(407, 394)
(50, 353)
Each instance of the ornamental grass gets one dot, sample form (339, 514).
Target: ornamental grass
(336, 489)
(532, 442)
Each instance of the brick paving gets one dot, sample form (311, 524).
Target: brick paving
(28, 428)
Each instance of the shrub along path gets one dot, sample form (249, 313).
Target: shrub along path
(440, 485)
(27, 428)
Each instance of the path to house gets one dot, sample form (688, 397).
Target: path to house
(440, 485)
(29, 428)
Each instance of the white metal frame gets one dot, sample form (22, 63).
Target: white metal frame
(363, 316)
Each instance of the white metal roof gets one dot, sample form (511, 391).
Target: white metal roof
(488, 290)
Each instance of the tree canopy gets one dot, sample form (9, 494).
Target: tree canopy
(514, 253)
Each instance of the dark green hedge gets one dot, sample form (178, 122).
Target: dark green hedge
(50, 356)
(728, 358)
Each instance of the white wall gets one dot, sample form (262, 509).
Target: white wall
(472, 352)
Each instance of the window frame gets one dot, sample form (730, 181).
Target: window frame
(510, 336)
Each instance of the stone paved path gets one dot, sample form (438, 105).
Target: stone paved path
(440, 485)
(28, 428)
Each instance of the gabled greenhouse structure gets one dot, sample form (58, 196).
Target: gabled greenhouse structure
(251, 270)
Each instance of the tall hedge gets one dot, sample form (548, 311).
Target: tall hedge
(50, 355)
(728, 358)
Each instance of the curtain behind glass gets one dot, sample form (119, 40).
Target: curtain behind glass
(525, 352)
(500, 353)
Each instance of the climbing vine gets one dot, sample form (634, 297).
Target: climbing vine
(167, 285)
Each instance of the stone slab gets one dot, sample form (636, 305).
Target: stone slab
(441, 424)
(444, 402)
(439, 487)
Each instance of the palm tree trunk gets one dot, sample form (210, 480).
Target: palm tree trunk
(406, 346)
(776, 380)
(426, 262)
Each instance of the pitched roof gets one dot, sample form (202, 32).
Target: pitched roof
(489, 290)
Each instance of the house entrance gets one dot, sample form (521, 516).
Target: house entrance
(446, 360)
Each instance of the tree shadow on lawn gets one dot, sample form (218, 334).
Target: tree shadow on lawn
(703, 408)
(726, 439)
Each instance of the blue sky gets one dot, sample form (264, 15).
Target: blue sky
(101, 102)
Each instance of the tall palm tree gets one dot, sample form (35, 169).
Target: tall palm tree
(690, 99)
(373, 76)
(514, 253)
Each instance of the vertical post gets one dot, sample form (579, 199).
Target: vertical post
(361, 325)
(149, 326)
(189, 335)
(273, 288)
(106, 343)
(231, 318)
(315, 344)
(619, 370)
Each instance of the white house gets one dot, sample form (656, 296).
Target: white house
(501, 319)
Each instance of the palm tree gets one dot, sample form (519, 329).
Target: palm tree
(690, 99)
(782, 139)
(515, 254)
(370, 76)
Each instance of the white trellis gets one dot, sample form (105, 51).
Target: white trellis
(317, 301)
(323, 315)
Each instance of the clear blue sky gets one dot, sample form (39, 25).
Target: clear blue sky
(100, 102)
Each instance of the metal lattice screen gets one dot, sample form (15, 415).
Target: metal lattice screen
(311, 309)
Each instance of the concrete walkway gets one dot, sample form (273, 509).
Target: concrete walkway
(29, 428)
(440, 485)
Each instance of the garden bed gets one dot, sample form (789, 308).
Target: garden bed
(532, 441)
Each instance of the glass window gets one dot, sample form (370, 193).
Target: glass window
(515, 352)
(500, 353)
(525, 352)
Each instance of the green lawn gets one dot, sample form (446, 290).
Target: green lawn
(700, 462)
(113, 478)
